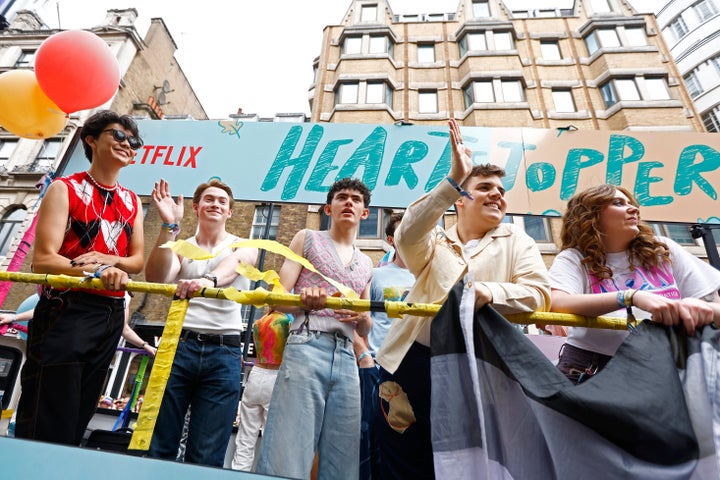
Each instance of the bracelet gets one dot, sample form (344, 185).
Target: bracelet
(459, 188)
(628, 297)
(145, 344)
(99, 270)
(14, 319)
(173, 228)
(363, 355)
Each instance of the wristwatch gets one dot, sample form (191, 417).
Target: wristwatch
(212, 277)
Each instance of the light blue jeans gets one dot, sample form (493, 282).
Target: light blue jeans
(315, 405)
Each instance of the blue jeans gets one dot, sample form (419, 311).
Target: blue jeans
(206, 376)
(369, 456)
(315, 405)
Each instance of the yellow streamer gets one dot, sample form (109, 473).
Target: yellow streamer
(270, 276)
(142, 435)
(188, 250)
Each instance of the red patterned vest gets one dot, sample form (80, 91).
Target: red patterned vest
(99, 220)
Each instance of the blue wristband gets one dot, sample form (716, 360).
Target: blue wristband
(459, 188)
(173, 228)
(99, 270)
(363, 355)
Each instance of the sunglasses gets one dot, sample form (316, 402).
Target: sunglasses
(120, 136)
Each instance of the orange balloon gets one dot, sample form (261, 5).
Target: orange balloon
(25, 110)
(77, 70)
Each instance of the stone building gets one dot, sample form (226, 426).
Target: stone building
(153, 85)
(596, 64)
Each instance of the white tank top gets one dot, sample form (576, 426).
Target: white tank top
(210, 315)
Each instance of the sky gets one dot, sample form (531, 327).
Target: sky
(249, 54)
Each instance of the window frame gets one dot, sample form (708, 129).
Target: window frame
(477, 5)
(544, 50)
(340, 94)
(428, 48)
(365, 16)
(10, 227)
(559, 102)
(426, 94)
(260, 215)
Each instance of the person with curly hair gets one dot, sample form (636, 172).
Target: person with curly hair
(611, 260)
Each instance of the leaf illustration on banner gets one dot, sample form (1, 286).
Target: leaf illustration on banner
(231, 127)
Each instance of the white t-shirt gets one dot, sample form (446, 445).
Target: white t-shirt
(686, 276)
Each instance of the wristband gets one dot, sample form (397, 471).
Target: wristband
(459, 188)
(99, 270)
(173, 228)
(363, 355)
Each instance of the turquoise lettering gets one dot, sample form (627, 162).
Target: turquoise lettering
(409, 152)
(573, 163)
(688, 171)
(515, 157)
(642, 186)
(299, 164)
(616, 156)
(368, 155)
(324, 166)
(442, 166)
(540, 176)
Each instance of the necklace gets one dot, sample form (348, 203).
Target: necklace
(101, 186)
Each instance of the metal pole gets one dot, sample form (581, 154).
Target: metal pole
(705, 231)
(261, 262)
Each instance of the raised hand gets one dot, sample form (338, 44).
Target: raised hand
(169, 210)
(461, 155)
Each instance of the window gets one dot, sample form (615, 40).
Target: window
(627, 89)
(712, 120)
(481, 41)
(427, 101)
(46, 158)
(368, 13)
(260, 221)
(26, 59)
(704, 9)
(550, 50)
(563, 100)
(680, 232)
(378, 92)
(479, 92)
(373, 226)
(716, 62)
(600, 6)
(636, 37)
(347, 93)
(476, 41)
(484, 91)
(352, 46)
(608, 37)
(503, 41)
(512, 91)
(692, 84)
(426, 52)
(679, 28)
(9, 227)
(480, 8)
(378, 44)
(656, 89)
(7, 147)
(536, 227)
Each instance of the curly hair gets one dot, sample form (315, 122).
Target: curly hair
(580, 230)
(349, 184)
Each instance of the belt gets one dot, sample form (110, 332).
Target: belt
(230, 340)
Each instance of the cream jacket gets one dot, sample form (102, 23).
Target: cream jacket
(506, 260)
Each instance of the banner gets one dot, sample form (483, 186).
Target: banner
(674, 175)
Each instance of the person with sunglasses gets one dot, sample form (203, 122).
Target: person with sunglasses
(87, 225)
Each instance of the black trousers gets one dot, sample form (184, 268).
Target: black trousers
(71, 341)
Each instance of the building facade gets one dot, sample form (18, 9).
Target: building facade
(691, 29)
(596, 65)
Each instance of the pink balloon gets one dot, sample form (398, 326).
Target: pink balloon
(77, 70)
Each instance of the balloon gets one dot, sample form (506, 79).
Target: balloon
(77, 70)
(24, 109)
